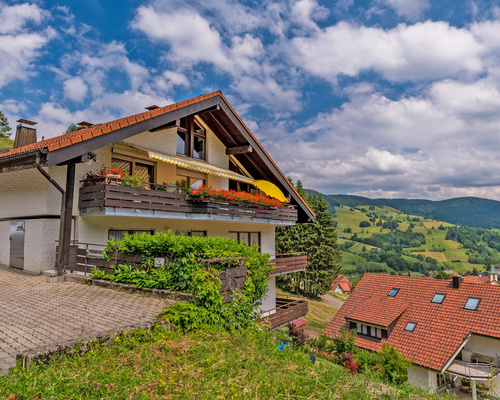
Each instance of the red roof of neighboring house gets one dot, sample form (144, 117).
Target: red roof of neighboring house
(475, 279)
(440, 329)
(344, 283)
(345, 286)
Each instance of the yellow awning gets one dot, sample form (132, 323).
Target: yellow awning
(199, 166)
(270, 189)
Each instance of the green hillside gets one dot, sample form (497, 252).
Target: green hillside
(384, 239)
(466, 211)
(6, 144)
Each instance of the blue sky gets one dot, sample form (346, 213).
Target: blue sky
(382, 98)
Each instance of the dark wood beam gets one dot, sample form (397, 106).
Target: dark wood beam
(68, 152)
(239, 150)
(177, 123)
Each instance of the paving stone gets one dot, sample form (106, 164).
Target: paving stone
(35, 313)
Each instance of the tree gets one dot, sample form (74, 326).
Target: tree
(319, 240)
(5, 129)
(71, 128)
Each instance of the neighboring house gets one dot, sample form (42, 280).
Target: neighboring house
(200, 141)
(342, 285)
(449, 329)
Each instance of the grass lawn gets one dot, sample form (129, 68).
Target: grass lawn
(6, 143)
(319, 315)
(162, 364)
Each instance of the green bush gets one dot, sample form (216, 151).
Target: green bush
(184, 271)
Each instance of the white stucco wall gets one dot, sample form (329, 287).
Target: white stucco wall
(24, 193)
(419, 377)
(40, 244)
(4, 242)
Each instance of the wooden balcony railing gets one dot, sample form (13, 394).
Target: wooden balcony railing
(168, 199)
(288, 263)
(287, 310)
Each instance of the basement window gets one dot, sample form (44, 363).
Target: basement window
(393, 292)
(472, 303)
(410, 327)
(438, 298)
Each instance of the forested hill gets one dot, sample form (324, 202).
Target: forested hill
(467, 211)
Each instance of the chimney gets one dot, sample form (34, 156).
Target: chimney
(25, 134)
(457, 280)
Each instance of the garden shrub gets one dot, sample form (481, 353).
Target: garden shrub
(184, 271)
(389, 363)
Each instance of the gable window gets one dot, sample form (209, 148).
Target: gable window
(410, 327)
(393, 292)
(438, 298)
(191, 139)
(472, 303)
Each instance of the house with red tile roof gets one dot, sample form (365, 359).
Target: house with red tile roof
(449, 329)
(342, 284)
(54, 195)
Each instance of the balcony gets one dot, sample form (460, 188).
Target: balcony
(288, 263)
(287, 310)
(166, 201)
(477, 371)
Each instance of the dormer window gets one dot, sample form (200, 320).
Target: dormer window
(393, 292)
(472, 303)
(410, 327)
(438, 298)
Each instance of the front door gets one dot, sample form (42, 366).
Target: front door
(17, 244)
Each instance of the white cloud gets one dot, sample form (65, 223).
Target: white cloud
(15, 17)
(423, 51)
(384, 162)
(75, 89)
(411, 9)
(189, 35)
(267, 92)
(20, 42)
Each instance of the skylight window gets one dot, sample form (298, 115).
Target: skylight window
(393, 292)
(438, 298)
(410, 327)
(472, 303)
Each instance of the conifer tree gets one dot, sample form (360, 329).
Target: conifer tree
(319, 241)
(5, 130)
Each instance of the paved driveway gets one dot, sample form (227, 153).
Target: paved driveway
(35, 313)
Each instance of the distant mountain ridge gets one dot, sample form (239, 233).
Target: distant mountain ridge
(467, 211)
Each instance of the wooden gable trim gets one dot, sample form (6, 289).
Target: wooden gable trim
(61, 155)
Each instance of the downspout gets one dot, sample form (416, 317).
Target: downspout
(62, 245)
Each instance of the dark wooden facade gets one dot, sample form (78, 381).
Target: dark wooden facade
(109, 195)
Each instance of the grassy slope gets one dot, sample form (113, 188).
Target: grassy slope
(6, 144)
(350, 218)
(199, 366)
(320, 313)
